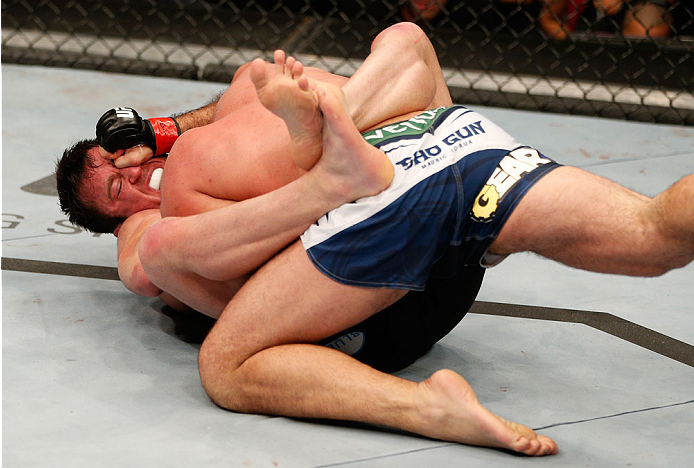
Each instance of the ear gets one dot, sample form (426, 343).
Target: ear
(117, 230)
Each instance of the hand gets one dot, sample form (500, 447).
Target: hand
(123, 128)
(135, 156)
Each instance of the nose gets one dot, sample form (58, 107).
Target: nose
(132, 173)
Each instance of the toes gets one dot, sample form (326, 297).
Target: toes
(533, 448)
(279, 58)
(297, 69)
(291, 61)
(539, 446)
(549, 446)
(259, 73)
(303, 83)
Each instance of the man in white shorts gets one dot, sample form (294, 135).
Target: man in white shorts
(488, 198)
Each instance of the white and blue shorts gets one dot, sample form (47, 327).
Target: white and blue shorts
(458, 177)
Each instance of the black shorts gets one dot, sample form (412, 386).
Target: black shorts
(402, 333)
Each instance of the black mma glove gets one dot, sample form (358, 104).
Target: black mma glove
(123, 128)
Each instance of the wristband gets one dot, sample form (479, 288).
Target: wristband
(165, 130)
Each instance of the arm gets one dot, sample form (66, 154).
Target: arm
(129, 140)
(201, 261)
(198, 117)
(232, 241)
(130, 269)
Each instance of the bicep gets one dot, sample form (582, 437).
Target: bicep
(193, 203)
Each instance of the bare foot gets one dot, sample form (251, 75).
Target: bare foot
(286, 92)
(351, 167)
(452, 412)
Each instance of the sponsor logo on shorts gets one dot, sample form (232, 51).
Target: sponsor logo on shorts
(433, 154)
(508, 172)
(350, 344)
(414, 126)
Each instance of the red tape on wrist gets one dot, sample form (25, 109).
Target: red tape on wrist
(165, 133)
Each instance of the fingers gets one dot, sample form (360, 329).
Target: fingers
(107, 155)
(134, 156)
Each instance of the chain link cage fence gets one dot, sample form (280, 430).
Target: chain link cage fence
(629, 59)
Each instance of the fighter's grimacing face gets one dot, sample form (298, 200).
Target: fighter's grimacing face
(125, 191)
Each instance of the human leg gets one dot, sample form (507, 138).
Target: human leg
(588, 222)
(253, 360)
(405, 331)
(249, 363)
(401, 75)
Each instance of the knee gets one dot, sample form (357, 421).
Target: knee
(217, 375)
(208, 366)
(656, 268)
(406, 29)
(671, 257)
(670, 216)
(409, 33)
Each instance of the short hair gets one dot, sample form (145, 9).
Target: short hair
(71, 171)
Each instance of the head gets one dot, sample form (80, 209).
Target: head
(98, 196)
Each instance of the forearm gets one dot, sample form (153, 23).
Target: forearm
(232, 241)
(198, 117)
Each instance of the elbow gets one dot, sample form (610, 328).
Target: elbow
(661, 266)
(139, 283)
(157, 257)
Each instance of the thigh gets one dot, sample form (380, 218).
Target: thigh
(289, 301)
(402, 333)
(584, 221)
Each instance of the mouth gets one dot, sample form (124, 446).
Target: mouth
(155, 178)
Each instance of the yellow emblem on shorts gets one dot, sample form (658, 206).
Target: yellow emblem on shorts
(486, 203)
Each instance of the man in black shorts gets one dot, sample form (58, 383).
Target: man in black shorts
(388, 341)
(258, 357)
(255, 358)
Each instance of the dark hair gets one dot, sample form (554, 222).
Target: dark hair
(70, 172)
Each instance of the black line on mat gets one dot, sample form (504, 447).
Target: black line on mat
(58, 268)
(614, 415)
(608, 323)
(448, 444)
